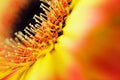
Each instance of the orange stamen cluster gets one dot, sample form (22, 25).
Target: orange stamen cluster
(40, 38)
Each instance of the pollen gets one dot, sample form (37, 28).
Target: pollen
(34, 42)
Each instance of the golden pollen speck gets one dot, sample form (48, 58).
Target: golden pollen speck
(37, 40)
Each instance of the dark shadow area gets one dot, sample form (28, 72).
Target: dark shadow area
(26, 15)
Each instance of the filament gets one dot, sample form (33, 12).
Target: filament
(38, 40)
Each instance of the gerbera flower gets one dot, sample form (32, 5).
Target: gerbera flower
(65, 46)
(33, 49)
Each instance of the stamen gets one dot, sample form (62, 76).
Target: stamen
(37, 19)
(39, 39)
(27, 31)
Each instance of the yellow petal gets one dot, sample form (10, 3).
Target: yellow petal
(43, 69)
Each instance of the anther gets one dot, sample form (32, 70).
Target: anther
(37, 18)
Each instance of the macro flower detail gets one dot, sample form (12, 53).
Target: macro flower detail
(21, 52)
(59, 40)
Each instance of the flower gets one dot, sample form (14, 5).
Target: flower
(88, 48)
(38, 49)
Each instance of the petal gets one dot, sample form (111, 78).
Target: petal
(43, 69)
(66, 66)
(92, 33)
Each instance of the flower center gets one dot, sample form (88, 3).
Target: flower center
(40, 38)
